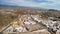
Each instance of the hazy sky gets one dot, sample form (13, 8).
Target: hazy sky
(49, 4)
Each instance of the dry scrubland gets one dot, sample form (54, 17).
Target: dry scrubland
(7, 17)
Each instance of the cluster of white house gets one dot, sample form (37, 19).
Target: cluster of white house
(29, 20)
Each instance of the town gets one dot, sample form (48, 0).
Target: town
(28, 23)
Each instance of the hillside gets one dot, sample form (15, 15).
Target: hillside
(9, 15)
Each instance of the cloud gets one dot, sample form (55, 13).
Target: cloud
(49, 4)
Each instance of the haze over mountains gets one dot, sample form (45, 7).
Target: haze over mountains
(25, 7)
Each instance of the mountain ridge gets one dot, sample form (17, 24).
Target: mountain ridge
(24, 7)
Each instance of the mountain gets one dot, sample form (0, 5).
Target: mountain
(22, 7)
(27, 8)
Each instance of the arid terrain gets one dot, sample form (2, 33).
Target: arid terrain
(8, 16)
